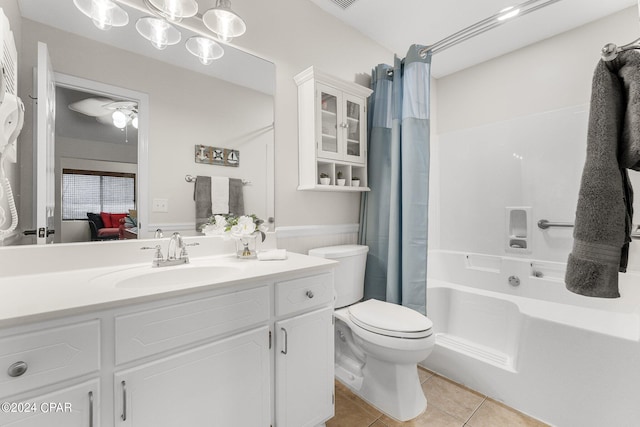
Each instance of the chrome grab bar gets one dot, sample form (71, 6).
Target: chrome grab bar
(544, 224)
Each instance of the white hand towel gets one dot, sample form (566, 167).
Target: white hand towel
(274, 254)
(219, 195)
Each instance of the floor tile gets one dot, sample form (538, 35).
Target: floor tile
(424, 374)
(345, 393)
(492, 413)
(452, 398)
(432, 417)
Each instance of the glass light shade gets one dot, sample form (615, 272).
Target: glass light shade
(205, 49)
(134, 121)
(104, 13)
(223, 21)
(120, 119)
(158, 31)
(175, 10)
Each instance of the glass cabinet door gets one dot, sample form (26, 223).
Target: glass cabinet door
(355, 137)
(329, 144)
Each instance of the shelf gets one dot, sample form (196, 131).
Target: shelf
(324, 135)
(329, 113)
(343, 188)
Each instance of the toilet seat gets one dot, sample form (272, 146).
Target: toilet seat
(389, 319)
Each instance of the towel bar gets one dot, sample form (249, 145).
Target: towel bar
(544, 224)
(191, 178)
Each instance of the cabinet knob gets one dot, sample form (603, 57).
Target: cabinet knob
(17, 369)
(309, 294)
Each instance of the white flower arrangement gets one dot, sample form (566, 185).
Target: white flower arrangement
(235, 226)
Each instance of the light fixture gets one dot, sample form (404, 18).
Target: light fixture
(508, 12)
(174, 10)
(205, 49)
(120, 119)
(223, 21)
(104, 13)
(158, 31)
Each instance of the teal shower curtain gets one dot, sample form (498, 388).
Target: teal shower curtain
(393, 214)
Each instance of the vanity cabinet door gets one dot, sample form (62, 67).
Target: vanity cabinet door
(75, 406)
(224, 383)
(304, 369)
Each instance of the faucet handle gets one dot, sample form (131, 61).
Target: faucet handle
(183, 251)
(157, 257)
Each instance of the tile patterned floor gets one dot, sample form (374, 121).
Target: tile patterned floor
(449, 405)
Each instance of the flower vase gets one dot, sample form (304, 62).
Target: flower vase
(246, 246)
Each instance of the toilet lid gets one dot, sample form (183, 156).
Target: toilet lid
(390, 319)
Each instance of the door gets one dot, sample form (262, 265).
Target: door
(305, 369)
(44, 148)
(75, 406)
(224, 383)
(355, 135)
(329, 123)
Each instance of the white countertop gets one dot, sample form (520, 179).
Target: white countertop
(44, 296)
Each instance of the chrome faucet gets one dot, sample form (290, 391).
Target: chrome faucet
(175, 244)
(176, 252)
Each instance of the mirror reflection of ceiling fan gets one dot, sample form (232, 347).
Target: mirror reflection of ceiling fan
(108, 111)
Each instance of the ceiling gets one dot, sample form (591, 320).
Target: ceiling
(399, 24)
(71, 124)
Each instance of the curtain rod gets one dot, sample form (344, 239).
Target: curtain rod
(484, 26)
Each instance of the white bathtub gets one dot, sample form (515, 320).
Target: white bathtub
(563, 358)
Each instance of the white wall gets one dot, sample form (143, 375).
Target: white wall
(295, 34)
(534, 103)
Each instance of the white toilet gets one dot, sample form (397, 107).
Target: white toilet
(378, 344)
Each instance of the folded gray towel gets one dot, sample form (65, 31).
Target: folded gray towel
(236, 196)
(202, 196)
(604, 211)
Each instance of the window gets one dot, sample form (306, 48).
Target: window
(93, 191)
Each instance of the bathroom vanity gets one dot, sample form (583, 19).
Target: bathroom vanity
(219, 341)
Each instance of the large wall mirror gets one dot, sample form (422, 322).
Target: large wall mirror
(180, 104)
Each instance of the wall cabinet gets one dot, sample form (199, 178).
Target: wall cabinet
(332, 132)
(255, 355)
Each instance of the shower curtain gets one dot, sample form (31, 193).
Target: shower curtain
(393, 214)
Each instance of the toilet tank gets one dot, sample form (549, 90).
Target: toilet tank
(349, 273)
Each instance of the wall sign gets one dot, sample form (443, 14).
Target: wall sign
(217, 156)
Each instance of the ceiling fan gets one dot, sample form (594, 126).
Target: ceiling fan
(108, 111)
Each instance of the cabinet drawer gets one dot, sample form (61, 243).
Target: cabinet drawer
(49, 355)
(302, 294)
(153, 331)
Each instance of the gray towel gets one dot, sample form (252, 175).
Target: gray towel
(604, 211)
(236, 197)
(202, 196)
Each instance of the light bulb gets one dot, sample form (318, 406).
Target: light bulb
(119, 119)
(174, 9)
(158, 31)
(101, 14)
(205, 49)
(159, 35)
(223, 21)
(104, 13)
(134, 122)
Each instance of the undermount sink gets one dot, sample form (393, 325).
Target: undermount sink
(166, 277)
